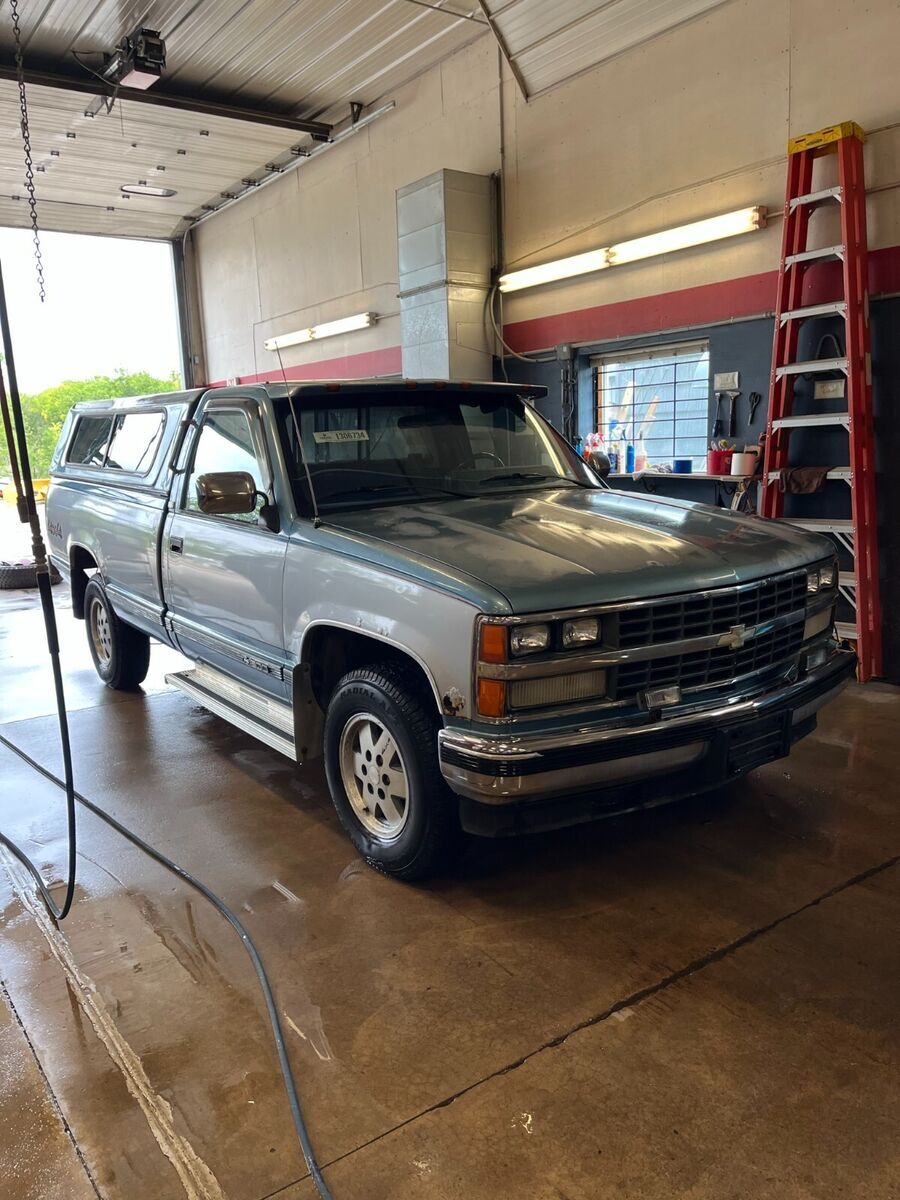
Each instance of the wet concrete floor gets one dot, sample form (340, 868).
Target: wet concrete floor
(700, 1001)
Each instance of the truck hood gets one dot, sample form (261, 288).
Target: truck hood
(567, 547)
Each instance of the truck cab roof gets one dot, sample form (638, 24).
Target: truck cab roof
(323, 387)
(314, 387)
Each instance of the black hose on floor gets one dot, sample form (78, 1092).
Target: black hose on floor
(234, 920)
(21, 469)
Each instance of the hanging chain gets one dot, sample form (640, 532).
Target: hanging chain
(26, 143)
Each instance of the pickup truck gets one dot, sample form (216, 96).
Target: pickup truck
(424, 583)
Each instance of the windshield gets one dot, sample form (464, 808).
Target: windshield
(398, 448)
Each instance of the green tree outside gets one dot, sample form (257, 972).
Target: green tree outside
(44, 413)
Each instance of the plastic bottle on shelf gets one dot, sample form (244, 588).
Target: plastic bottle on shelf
(612, 449)
(640, 455)
(629, 458)
(600, 459)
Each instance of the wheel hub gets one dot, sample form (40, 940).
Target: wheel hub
(374, 776)
(101, 632)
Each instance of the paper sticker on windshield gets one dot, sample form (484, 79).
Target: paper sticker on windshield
(341, 435)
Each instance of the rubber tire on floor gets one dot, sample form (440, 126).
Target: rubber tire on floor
(22, 575)
(432, 839)
(129, 660)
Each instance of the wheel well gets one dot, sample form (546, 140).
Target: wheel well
(82, 564)
(332, 652)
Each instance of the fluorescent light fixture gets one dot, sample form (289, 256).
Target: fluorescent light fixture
(563, 268)
(146, 189)
(744, 220)
(327, 329)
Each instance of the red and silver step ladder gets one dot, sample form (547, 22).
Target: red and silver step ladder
(857, 534)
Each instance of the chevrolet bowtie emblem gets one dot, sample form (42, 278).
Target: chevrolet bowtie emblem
(735, 637)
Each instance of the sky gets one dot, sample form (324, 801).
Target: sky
(110, 303)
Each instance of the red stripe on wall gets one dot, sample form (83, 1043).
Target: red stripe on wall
(349, 366)
(732, 299)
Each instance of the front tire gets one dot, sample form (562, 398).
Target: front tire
(120, 652)
(383, 773)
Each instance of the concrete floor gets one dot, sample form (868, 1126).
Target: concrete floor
(695, 1002)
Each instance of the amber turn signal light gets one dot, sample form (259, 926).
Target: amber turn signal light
(491, 697)
(492, 644)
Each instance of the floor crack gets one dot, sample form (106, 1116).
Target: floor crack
(635, 998)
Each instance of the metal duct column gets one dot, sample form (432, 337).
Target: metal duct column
(445, 242)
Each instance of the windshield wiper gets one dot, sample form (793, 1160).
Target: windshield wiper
(372, 489)
(524, 476)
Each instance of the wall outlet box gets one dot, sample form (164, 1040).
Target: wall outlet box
(829, 389)
(726, 381)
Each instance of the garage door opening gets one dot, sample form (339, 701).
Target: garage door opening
(108, 327)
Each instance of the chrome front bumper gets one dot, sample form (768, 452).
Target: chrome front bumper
(683, 753)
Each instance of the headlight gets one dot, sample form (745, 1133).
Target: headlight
(819, 578)
(529, 639)
(585, 631)
(828, 575)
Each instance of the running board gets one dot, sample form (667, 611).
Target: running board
(269, 720)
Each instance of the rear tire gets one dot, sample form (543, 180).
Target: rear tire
(23, 575)
(120, 652)
(383, 773)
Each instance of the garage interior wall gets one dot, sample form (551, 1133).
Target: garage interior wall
(322, 242)
(688, 125)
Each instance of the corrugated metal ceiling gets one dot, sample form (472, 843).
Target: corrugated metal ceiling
(302, 58)
(81, 163)
(548, 43)
(299, 58)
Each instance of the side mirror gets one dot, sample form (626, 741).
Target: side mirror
(600, 462)
(225, 493)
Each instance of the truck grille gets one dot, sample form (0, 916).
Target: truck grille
(709, 666)
(699, 616)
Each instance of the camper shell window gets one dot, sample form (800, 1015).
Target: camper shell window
(126, 442)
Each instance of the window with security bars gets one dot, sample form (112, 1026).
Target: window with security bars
(661, 395)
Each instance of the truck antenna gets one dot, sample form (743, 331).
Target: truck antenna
(317, 520)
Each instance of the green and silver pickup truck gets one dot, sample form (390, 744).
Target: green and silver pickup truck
(425, 584)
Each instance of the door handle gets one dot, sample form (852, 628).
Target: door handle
(176, 545)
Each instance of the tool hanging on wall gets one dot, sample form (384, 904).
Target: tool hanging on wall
(754, 399)
(717, 422)
(732, 397)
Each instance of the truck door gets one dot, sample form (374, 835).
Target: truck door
(222, 575)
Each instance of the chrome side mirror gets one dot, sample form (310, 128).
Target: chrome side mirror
(225, 493)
